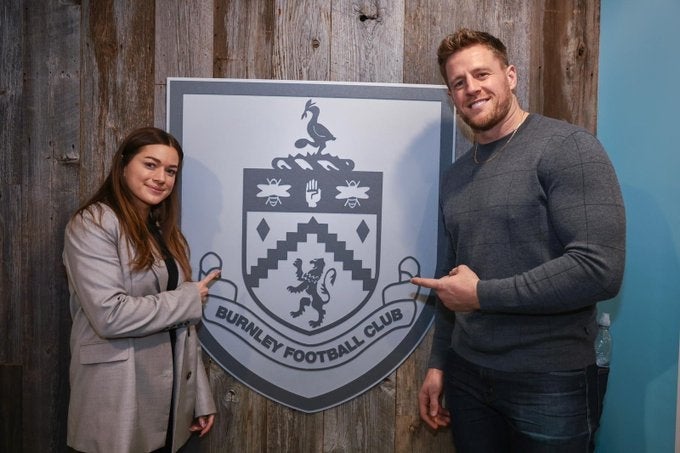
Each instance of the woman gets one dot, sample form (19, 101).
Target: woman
(137, 377)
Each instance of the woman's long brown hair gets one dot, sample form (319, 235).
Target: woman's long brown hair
(115, 193)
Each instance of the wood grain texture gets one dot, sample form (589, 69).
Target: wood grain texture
(183, 46)
(49, 182)
(302, 40)
(411, 433)
(241, 424)
(77, 76)
(11, 409)
(291, 430)
(243, 39)
(570, 60)
(367, 41)
(365, 423)
(12, 140)
(118, 92)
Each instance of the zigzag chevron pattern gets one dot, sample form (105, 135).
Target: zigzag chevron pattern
(332, 245)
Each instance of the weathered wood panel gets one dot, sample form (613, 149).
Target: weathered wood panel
(362, 424)
(183, 46)
(290, 430)
(117, 91)
(241, 424)
(571, 34)
(12, 140)
(52, 127)
(411, 434)
(11, 409)
(243, 39)
(367, 41)
(302, 40)
(76, 77)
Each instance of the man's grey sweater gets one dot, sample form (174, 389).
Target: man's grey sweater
(542, 223)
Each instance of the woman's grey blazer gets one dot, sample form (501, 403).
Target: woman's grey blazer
(121, 371)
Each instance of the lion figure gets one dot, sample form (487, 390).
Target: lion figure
(309, 282)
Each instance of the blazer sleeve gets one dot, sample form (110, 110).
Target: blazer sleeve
(117, 301)
(205, 405)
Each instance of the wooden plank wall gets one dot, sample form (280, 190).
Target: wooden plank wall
(77, 75)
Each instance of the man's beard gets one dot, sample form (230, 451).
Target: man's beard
(490, 121)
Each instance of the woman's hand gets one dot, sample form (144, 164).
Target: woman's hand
(204, 285)
(203, 424)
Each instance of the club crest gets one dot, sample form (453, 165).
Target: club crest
(311, 235)
(314, 303)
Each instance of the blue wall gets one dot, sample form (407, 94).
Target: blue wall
(639, 124)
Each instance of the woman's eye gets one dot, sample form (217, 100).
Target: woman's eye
(172, 172)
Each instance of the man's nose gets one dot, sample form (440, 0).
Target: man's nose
(472, 85)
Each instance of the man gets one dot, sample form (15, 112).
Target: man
(536, 224)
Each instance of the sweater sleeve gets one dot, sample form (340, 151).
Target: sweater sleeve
(444, 319)
(587, 219)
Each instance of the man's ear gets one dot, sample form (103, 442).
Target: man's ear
(511, 74)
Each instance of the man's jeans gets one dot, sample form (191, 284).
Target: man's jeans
(495, 411)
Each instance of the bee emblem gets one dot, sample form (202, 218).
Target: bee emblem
(352, 193)
(273, 191)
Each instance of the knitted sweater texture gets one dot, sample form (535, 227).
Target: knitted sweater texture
(542, 223)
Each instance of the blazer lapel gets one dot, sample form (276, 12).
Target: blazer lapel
(158, 269)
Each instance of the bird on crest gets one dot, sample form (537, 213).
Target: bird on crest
(318, 132)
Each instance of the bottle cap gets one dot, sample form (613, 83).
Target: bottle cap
(604, 320)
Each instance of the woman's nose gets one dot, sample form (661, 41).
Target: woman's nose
(159, 175)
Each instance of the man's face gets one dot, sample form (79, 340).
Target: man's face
(480, 86)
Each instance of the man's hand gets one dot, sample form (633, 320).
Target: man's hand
(429, 400)
(457, 291)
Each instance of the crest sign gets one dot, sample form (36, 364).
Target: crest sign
(319, 202)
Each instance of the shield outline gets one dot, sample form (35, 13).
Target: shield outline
(177, 90)
(372, 209)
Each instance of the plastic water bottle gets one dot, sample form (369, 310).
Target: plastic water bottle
(603, 341)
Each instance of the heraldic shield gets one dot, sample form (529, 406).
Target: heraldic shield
(318, 307)
(311, 240)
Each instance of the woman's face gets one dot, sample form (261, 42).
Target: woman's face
(150, 175)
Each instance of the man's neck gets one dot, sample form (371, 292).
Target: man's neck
(510, 123)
